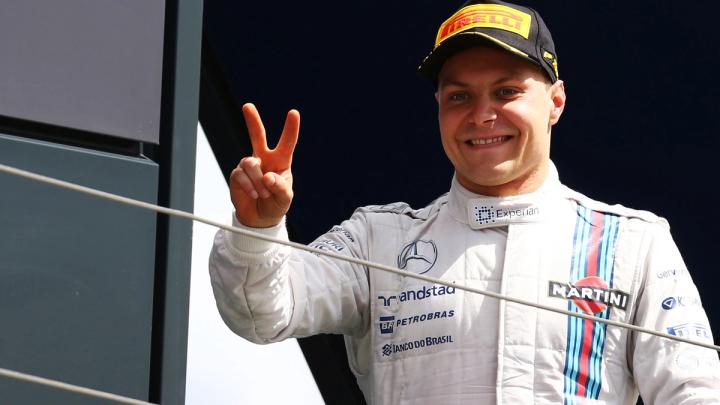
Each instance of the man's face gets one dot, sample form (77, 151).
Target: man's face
(495, 114)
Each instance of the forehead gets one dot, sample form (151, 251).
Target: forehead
(487, 62)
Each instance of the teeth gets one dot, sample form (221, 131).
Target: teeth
(487, 141)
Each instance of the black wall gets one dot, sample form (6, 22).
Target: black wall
(640, 127)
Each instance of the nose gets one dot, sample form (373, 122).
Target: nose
(483, 112)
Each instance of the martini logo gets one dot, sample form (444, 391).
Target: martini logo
(418, 257)
(590, 294)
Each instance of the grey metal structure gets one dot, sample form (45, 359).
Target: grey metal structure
(104, 94)
(90, 65)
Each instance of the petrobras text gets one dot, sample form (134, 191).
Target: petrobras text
(424, 317)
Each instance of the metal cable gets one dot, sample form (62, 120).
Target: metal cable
(70, 387)
(369, 264)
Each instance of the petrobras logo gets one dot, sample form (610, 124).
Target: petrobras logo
(590, 294)
(429, 316)
(691, 330)
(680, 301)
(386, 324)
(417, 295)
(418, 257)
(391, 348)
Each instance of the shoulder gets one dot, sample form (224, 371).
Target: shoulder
(634, 215)
(402, 209)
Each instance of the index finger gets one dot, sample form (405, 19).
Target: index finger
(288, 138)
(256, 129)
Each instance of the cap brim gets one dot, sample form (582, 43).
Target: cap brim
(432, 64)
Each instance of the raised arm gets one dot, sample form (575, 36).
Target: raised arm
(267, 292)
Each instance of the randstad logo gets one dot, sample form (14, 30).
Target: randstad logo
(417, 295)
(418, 257)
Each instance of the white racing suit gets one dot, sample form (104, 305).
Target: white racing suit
(411, 342)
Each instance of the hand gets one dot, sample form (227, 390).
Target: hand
(261, 184)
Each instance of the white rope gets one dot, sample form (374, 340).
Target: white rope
(369, 264)
(70, 387)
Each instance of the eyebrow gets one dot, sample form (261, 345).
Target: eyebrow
(511, 75)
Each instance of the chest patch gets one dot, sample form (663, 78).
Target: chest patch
(590, 294)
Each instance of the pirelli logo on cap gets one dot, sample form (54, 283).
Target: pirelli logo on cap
(485, 16)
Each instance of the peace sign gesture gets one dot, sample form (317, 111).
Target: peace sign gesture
(261, 184)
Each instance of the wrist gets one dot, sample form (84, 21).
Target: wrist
(249, 244)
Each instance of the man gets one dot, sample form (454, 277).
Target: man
(507, 225)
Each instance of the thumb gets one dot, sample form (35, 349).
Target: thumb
(279, 187)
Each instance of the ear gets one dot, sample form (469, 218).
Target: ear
(557, 96)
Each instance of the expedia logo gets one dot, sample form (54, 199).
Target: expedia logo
(590, 294)
(418, 257)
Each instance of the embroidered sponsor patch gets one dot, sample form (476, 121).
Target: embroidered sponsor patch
(418, 257)
(389, 349)
(339, 229)
(482, 213)
(416, 295)
(327, 244)
(386, 324)
(591, 294)
(485, 16)
(691, 330)
(680, 301)
(672, 274)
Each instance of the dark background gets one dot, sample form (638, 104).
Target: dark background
(640, 127)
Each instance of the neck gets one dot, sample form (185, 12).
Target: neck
(525, 184)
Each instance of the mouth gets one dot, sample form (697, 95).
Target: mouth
(488, 141)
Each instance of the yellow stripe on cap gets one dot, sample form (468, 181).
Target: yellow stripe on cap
(553, 61)
(485, 16)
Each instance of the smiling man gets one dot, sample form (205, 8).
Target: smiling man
(507, 225)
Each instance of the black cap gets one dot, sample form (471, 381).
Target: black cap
(517, 29)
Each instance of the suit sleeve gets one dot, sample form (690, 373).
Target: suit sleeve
(666, 371)
(266, 292)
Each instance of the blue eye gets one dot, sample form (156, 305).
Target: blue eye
(507, 92)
